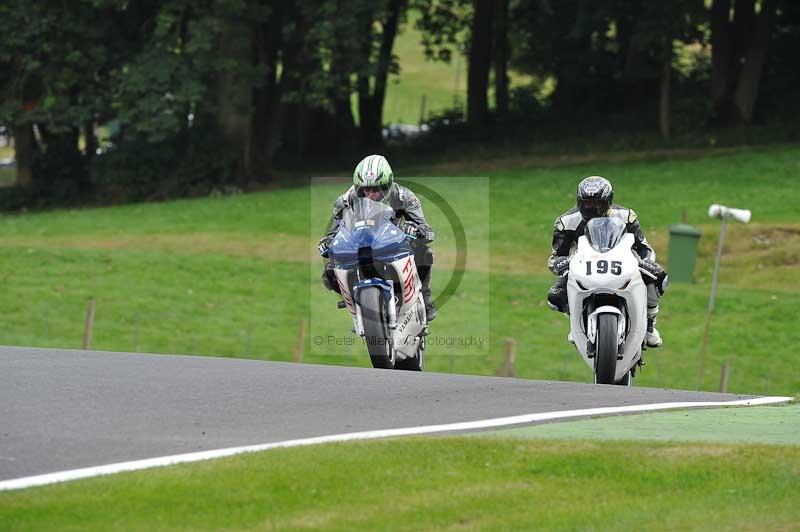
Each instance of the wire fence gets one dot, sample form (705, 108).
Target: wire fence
(66, 325)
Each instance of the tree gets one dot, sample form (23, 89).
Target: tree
(739, 51)
(56, 58)
(449, 24)
(372, 92)
(480, 62)
(501, 57)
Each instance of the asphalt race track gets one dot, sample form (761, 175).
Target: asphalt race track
(63, 410)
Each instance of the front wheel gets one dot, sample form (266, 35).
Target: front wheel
(376, 329)
(605, 359)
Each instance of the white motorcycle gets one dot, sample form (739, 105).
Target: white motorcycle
(380, 286)
(607, 301)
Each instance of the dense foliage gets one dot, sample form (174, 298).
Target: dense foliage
(136, 99)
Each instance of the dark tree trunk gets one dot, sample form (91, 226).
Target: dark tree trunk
(664, 91)
(750, 74)
(233, 99)
(345, 126)
(743, 24)
(60, 170)
(632, 91)
(341, 70)
(366, 120)
(90, 141)
(24, 144)
(501, 56)
(721, 54)
(266, 98)
(371, 101)
(385, 53)
(739, 51)
(480, 55)
(297, 118)
(362, 80)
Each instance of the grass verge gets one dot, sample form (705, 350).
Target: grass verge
(425, 483)
(757, 424)
(237, 275)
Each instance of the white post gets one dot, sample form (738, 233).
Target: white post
(714, 280)
(722, 212)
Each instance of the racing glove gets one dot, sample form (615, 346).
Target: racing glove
(427, 234)
(654, 274)
(560, 265)
(323, 248)
(411, 230)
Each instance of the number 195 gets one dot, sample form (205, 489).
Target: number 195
(602, 266)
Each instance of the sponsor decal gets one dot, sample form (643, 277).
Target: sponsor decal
(346, 296)
(405, 322)
(409, 287)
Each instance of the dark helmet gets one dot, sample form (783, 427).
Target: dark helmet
(595, 196)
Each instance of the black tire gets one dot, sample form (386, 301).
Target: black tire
(414, 364)
(605, 360)
(626, 380)
(376, 330)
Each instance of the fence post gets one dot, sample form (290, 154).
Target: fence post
(248, 344)
(301, 342)
(87, 331)
(508, 368)
(723, 379)
(136, 333)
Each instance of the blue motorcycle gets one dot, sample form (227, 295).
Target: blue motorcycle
(377, 276)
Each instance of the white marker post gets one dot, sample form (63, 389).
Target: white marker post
(723, 212)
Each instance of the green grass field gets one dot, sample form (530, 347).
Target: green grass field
(466, 482)
(237, 275)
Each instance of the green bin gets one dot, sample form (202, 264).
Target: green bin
(682, 252)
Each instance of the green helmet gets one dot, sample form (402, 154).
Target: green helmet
(373, 171)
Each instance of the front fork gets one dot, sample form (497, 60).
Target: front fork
(591, 329)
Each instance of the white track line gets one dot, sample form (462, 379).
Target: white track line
(62, 476)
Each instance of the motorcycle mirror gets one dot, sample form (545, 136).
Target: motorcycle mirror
(722, 212)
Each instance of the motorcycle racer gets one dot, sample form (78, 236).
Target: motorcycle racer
(594, 198)
(373, 179)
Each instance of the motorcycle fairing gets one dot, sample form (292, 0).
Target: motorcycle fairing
(627, 285)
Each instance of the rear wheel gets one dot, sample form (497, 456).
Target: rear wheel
(605, 359)
(376, 329)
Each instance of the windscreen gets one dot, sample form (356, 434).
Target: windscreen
(366, 212)
(604, 233)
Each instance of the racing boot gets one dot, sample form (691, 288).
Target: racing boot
(653, 337)
(425, 278)
(570, 339)
(557, 296)
(329, 280)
